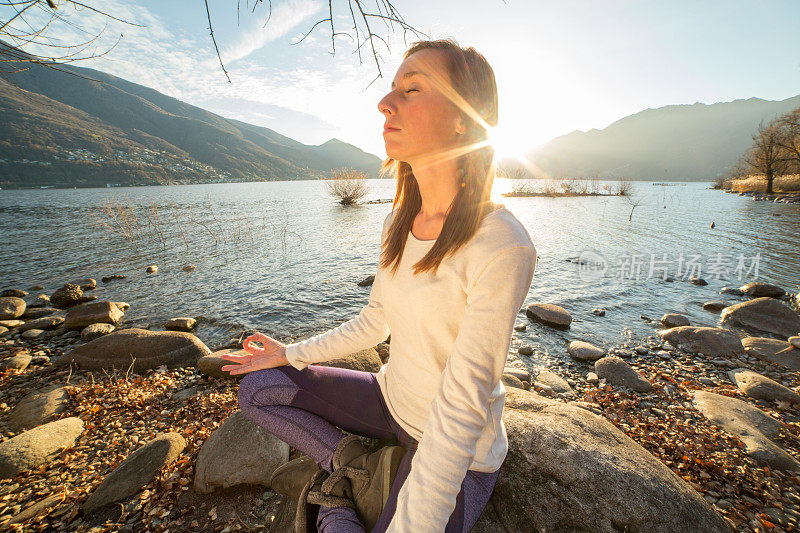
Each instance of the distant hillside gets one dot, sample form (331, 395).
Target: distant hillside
(61, 129)
(676, 142)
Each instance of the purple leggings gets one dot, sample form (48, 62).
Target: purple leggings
(303, 408)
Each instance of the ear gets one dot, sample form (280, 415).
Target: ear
(461, 128)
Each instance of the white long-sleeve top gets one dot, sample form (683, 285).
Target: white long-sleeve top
(451, 334)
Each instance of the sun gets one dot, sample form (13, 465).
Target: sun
(508, 144)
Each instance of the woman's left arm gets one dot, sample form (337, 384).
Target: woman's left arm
(458, 412)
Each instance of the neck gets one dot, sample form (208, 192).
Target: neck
(438, 185)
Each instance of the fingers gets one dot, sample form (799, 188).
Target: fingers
(241, 359)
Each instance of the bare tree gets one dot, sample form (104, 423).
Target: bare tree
(765, 156)
(28, 27)
(32, 24)
(789, 139)
(347, 185)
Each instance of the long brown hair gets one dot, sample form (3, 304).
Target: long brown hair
(473, 89)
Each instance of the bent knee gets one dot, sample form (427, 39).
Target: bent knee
(262, 387)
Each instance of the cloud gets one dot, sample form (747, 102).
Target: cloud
(285, 16)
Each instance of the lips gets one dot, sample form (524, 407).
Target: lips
(388, 129)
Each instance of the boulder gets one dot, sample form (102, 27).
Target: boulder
(555, 382)
(698, 281)
(753, 426)
(69, 294)
(366, 360)
(715, 306)
(568, 469)
(35, 334)
(762, 315)
(152, 269)
(673, 320)
(40, 507)
(138, 347)
(549, 315)
(95, 331)
(584, 351)
(123, 306)
(211, 365)
(48, 323)
(3, 331)
(35, 446)
(15, 293)
(137, 470)
(617, 372)
(712, 342)
(772, 350)
(93, 313)
(522, 375)
(513, 381)
(762, 388)
(731, 291)
(189, 268)
(238, 452)
(112, 277)
(11, 307)
(19, 361)
(86, 284)
(181, 324)
(759, 289)
(38, 312)
(38, 408)
(11, 323)
(794, 341)
(42, 300)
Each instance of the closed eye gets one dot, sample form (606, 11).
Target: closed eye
(408, 91)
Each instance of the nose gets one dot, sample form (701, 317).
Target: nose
(385, 106)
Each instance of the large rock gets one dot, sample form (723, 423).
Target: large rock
(618, 372)
(549, 315)
(93, 313)
(19, 361)
(86, 284)
(42, 300)
(38, 312)
(554, 381)
(183, 323)
(568, 469)
(11, 323)
(753, 426)
(11, 307)
(211, 365)
(95, 331)
(137, 470)
(713, 342)
(35, 446)
(584, 351)
(238, 452)
(757, 289)
(762, 315)
(16, 293)
(140, 347)
(673, 320)
(762, 388)
(47, 323)
(366, 361)
(38, 408)
(69, 294)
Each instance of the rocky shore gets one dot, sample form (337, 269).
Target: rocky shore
(106, 427)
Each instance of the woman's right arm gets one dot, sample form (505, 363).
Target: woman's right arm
(363, 331)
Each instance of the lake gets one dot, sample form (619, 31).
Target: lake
(285, 258)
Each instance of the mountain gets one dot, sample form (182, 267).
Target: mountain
(64, 128)
(675, 143)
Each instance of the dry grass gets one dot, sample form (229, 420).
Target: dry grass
(789, 183)
(347, 185)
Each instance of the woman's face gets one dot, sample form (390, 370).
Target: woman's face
(420, 118)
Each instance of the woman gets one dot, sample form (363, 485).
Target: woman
(454, 272)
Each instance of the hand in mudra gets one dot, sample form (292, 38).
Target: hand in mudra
(251, 358)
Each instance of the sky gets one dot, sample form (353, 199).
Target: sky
(560, 66)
